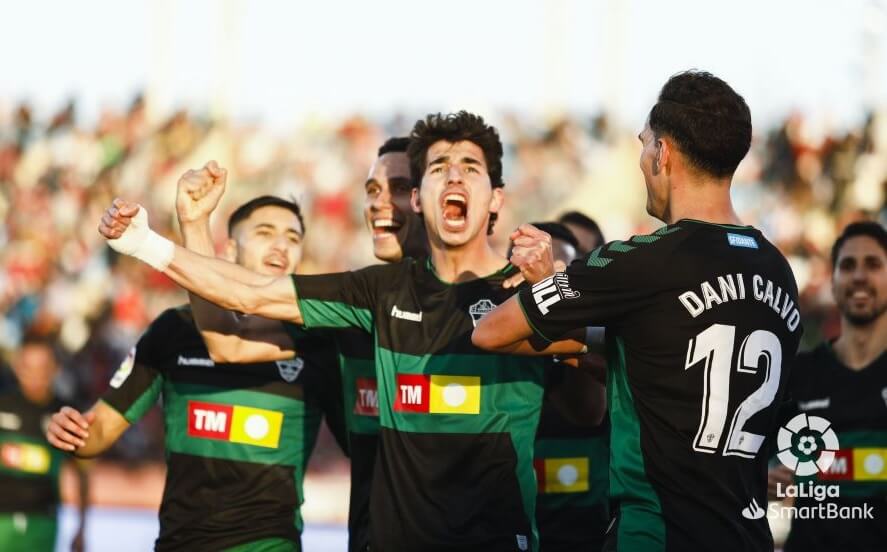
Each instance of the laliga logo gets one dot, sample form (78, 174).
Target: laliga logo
(807, 436)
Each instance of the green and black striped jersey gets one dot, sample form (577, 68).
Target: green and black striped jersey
(361, 398)
(455, 463)
(29, 466)
(854, 403)
(702, 325)
(572, 464)
(238, 436)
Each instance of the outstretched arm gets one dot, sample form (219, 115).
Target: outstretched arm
(229, 337)
(125, 226)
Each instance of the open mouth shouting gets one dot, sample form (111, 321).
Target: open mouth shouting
(385, 227)
(276, 263)
(454, 208)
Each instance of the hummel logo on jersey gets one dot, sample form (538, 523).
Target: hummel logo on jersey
(405, 315)
(290, 369)
(366, 400)
(738, 240)
(195, 361)
(233, 423)
(25, 457)
(480, 309)
(753, 510)
(437, 394)
(561, 475)
(551, 290)
(814, 404)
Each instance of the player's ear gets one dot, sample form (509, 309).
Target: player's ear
(414, 200)
(664, 154)
(497, 200)
(230, 252)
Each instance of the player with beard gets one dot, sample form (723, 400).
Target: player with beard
(238, 436)
(701, 323)
(845, 382)
(454, 470)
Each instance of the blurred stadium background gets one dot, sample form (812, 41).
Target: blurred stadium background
(100, 99)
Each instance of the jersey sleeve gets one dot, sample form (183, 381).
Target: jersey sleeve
(340, 300)
(135, 386)
(609, 285)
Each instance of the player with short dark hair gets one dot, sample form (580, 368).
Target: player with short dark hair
(586, 230)
(30, 471)
(238, 436)
(454, 469)
(845, 382)
(701, 324)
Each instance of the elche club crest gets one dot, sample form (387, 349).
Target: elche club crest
(480, 309)
(290, 369)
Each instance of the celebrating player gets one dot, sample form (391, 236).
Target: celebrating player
(238, 436)
(454, 469)
(844, 382)
(701, 322)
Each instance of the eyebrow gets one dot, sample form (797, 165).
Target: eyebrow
(446, 159)
(269, 226)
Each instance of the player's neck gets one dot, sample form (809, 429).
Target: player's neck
(859, 346)
(708, 201)
(475, 259)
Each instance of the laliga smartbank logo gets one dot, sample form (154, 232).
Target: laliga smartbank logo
(808, 446)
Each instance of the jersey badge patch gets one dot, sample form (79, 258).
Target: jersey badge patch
(290, 369)
(10, 421)
(25, 457)
(437, 394)
(124, 370)
(480, 309)
(235, 424)
(366, 399)
(738, 240)
(561, 475)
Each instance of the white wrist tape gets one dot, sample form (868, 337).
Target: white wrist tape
(139, 241)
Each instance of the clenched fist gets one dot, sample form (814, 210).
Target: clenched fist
(532, 255)
(199, 191)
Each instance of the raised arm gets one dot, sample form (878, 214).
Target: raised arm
(229, 337)
(125, 226)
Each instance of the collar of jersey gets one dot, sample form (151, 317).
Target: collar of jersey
(501, 272)
(736, 226)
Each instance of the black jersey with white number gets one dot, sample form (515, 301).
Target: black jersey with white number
(455, 464)
(702, 322)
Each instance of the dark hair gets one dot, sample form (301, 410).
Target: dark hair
(709, 122)
(398, 144)
(583, 221)
(558, 231)
(244, 211)
(38, 339)
(456, 127)
(866, 228)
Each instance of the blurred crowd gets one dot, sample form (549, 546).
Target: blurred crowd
(801, 183)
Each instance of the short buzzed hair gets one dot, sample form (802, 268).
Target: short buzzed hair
(397, 144)
(244, 211)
